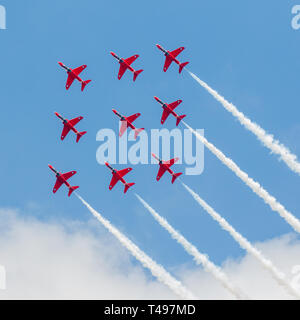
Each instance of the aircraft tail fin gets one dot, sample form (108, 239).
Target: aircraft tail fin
(175, 176)
(136, 73)
(84, 83)
(179, 119)
(137, 132)
(71, 189)
(80, 134)
(182, 65)
(127, 186)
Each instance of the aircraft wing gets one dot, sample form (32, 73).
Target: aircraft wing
(123, 128)
(113, 182)
(65, 131)
(131, 59)
(167, 63)
(74, 121)
(165, 116)
(176, 52)
(171, 162)
(57, 185)
(78, 70)
(161, 172)
(175, 104)
(68, 175)
(70, 80)
(133, 117)
(123, 172)
(122, 70)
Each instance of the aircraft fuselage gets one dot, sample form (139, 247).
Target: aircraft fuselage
(70, 71)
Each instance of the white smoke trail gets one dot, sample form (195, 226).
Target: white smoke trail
(255, 186)
(193, 251)
(245, 244)
(157, 270)
(267, 139)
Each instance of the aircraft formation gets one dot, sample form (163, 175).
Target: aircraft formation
(168, 109)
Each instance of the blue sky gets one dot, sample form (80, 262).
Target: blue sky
(247, 51)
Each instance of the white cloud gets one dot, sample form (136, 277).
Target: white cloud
(70, 260)
(248, 274)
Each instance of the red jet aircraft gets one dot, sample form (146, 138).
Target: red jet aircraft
(118, 175)
(69, 125)
(126, 64)
(171, 56)
(73, 74)
(169, 109)
(61, 178)
(127, 122)
(165, 166)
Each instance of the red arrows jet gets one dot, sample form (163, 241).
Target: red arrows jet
(169, 109)
(73, 74)
(69, 125)
(118, 175)
(165, 166)
(127, 122)
(171, 56)
(61, 178)
(126, 64)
